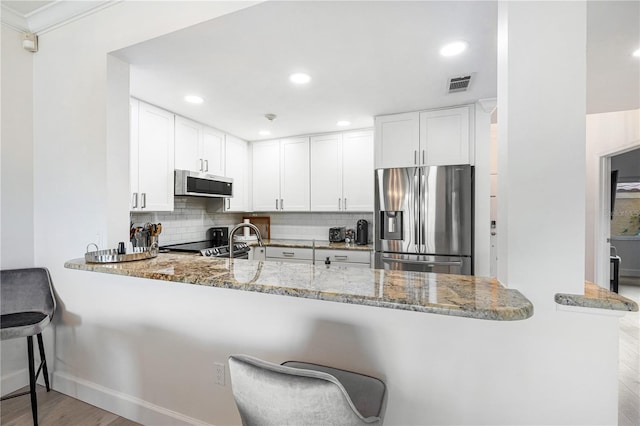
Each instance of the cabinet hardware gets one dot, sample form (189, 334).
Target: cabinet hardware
(134, 202)
(276, 204)
(288, 254)
(281, 204)
(423, 156)
(201, 165)
(206, 165)
(339, 203)
(345, 203)
(415, 156)
(228, 203)
(341, 257)
(144, 200)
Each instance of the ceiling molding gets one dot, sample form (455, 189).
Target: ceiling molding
(12, 19)
(52, 16)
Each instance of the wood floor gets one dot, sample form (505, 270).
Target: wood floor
(56, 409)
(629, 361)
(60, 410)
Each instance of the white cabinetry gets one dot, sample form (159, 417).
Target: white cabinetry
(151, 148)
(427, 138)
(236, 168)
(281, 175)
(289, 254)
(342, 171)
(198, 148)
(444, 137)
(357, 258)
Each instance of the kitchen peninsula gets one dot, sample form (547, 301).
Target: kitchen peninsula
(444, 294)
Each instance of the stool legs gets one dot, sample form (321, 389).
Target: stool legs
(43, 360)
(32, 381)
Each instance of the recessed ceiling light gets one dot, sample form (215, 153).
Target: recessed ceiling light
(343, 123)
(264, 133)
(300, 78)
(194, 99)
(637, 53)
(455, 48)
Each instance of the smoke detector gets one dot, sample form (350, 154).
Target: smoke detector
(459, 84)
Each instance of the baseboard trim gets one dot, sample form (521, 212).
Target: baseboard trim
(13, 381)
(124, 405)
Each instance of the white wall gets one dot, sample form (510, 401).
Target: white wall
(16, 249)
(606, 134)
(145, 349)
(16, 193)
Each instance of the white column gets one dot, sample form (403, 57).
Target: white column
(541, 144)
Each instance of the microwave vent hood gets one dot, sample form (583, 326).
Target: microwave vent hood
(197, 184)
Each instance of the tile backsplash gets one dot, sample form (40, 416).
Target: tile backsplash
(190, 220)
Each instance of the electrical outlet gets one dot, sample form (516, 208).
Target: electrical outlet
(219, 372)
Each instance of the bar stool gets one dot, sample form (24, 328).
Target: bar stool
(26, 307)
(297, 393)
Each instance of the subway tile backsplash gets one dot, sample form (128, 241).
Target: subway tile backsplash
(190, 220)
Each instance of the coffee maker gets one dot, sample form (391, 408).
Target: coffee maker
(362, 232)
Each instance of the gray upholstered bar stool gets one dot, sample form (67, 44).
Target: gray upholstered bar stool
(298, 393)
(26, 307)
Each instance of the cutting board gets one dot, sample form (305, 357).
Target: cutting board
(263, 223)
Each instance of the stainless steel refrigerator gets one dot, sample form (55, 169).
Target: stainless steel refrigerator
(424, 219)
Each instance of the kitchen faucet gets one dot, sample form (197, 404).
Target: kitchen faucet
(242, 225)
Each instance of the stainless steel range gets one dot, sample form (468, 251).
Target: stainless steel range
(216, 245)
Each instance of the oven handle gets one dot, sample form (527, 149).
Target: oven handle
(425, 262)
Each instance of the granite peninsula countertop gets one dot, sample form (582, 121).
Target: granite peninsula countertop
(597, 297)
(444, 294)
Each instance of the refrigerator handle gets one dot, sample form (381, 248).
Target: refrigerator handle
(422, 212)
(416, 209)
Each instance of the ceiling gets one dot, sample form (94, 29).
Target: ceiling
(364, 58)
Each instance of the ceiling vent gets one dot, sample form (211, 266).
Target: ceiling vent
(459, 84)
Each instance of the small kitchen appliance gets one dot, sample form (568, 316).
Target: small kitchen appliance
(362, 232)
(337, 234)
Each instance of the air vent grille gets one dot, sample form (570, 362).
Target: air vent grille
(459, 84)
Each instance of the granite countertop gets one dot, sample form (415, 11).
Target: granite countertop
(455, 295)
(597, 297)
(319, 244)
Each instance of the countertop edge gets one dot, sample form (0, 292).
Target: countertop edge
(516, 313)
(598, 298)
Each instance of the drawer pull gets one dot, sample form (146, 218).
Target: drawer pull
(288, 254)
(341, 257)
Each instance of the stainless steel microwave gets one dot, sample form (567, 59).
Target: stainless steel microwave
(202, 184)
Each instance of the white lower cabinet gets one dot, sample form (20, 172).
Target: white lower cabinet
(258, 253)
(357, 258)
(289, 254)
(151, 148)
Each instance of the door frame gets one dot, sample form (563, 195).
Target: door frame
(602, 234)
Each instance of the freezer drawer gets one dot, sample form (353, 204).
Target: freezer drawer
(423, 263)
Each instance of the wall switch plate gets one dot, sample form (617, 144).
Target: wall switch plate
(219, 373)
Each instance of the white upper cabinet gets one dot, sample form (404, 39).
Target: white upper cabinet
(428, 138)
(357, 171)
(397, 140)
(266, 175)
(198, 148)
(444, 136)
(236, 155)
(342, 172)
(281, 175)
(213, 154)
(326, 172)
(151, 158)
(294, 174)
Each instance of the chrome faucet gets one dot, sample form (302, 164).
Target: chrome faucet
(242, 225)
